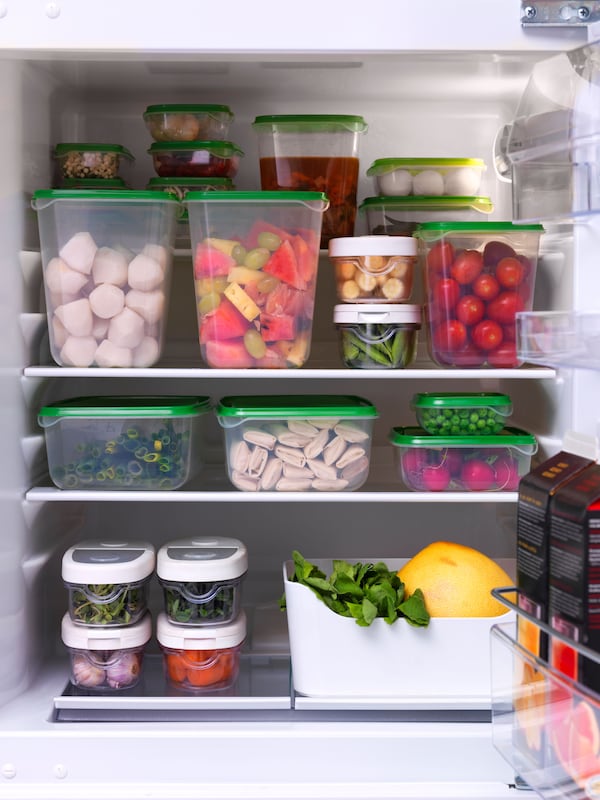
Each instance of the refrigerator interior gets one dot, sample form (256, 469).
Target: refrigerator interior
(442, 104)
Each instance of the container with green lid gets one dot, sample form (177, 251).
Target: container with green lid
(451, 463)
(399, 216)
(185, 122)
(427, 176)
(478, 276)
(297, 443)
(462, 413)
(91, 159)
(124, 443)
(106, 258)
(94, 183)
(210, 158)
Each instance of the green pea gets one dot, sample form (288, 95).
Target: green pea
(267, 284)
(269, 240)
(254, 344)
(257, 258)
(208, 303)
(239, 254)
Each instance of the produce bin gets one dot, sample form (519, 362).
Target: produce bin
(372, 336)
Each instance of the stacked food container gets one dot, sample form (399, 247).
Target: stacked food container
(91, 165)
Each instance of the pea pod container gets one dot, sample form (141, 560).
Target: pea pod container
(375, 336)
(462, 414)
(201, 578)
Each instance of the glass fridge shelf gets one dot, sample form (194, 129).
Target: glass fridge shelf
(559, 338)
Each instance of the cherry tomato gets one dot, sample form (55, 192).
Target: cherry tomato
(510, 333)
(446, 292)
(494, 252)
(468, 356)
(510, 272)
(467, 266)
(503, 356)
(485, 286)
(470, 309)
(450, 336)
(503, 308)
(440, 257)
(487, 335)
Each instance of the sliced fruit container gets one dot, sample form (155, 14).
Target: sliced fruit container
(399, 216)
(91, 159)
(197, 159)
(297, 443)
(108, 581)
(373, 336)
(427, 176)
(449, 463)
(185, 122)
(463, 413)
(202, 578)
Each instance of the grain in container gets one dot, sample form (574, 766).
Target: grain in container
(91, 160)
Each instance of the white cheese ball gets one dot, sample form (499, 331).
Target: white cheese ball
(399, 183)
(107, 300)
(110, 266)
(428, 182)
(79, 252)
(76, 317)
(78, 351)
(462, 182)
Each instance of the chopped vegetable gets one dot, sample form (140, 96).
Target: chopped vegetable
(200, 602)
(108, 604)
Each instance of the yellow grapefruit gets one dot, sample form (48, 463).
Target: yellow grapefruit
(456, 581)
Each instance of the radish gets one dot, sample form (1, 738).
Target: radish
(506, 471)
(477, 476)
(436, 479)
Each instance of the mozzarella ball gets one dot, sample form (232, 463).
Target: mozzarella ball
(428, 182)
(145, 273)
(399, 182)
(107, 300)
(76, 317)
(110, 266)
(78, 351)
(111, 355)
(126, 329)
(462, 182)
(79, 252)
(61, 279)
(149, 305)
(146, 353)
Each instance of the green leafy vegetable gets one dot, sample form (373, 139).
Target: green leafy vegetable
(361, 591)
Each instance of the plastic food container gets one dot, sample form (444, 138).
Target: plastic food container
(478, 276)
(187, 122)
(297, 443)
(91, 160)
(123, 442)
(108, 581)
(106, 257)
(316, 152)
(462, 414)
(199, 159)
(427, 176)
(201, 659)
(493, 463)
(255, 268)
(374, 336)
(559, 338)
(399, 216)
(372, 269)
(94, 183)
(106, 660)
(202, 578)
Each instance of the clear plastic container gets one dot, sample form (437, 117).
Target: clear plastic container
(200, 159)
(462, 414)
(455, 177)
(202, 578)
(106, 660)
(373, 269)
(123, 443)
(559, 338)
(297, 443)
(478, 276)
(91, 160)
(188, 122)
(201, 659)
(373, 336)
(399, 216)
(449, 463)
(315, 152)
(106, 258)
(94, 183)
(108, 581)
(256, 256)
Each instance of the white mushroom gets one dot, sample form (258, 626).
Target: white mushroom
(110, 266)
(78, 351)
(76, 317)
(146, 353)
(79, 252)
(107, 300)
(145, 273)
(61, 279)
(126, 329)
(149, 305)
(111, 355)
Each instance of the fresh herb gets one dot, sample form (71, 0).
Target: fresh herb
(200, 602)
(361, 591)
(108, 604)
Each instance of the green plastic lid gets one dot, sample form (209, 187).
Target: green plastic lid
(127, 195)
(94, 183)
(427, 203)
(188, 108)
(312, 122)
(189, 183)
(424, 230)
(64, 148)
(295, 406)
(383, 165)
(119, 406)
(509, 437)
(214, 147)
(501, 403)
(260, 196)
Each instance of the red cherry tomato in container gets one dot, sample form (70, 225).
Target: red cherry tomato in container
(440, 257)
(503, 356)
(467, 266)
(446, 292)
(450, 336)
(510, 272)
(494, 252)
(503, 308)
(487, 335)
(486, 286)
(470, 309)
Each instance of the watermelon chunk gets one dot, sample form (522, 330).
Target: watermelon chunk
(261, 226)
(284, 265)
(272, 359)
(210, 261)
(230, 354)
(306, 258)
(275, 328)
(224, 322)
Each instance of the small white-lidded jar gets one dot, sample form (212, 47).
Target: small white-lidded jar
(202, 579)
(376, 336)
(108, 581)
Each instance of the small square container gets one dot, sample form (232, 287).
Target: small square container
(374, 336)
(202, 578)
(123, 443)
(188, 122)
(94, 183)
(478, 276)
(108, 581)
(106, 660)
(199, 159)
(106, 258)
(462, 414)
(297, 443)
(314, 152)
(373, 269)
(493, 463)
(256, 256)
(455, 177)
(201, 659)
(399, 216)
(91, 160)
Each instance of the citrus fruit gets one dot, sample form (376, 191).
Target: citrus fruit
(456, 580)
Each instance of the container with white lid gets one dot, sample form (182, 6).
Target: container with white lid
(108, 581)
(376, 336)
(200, 659)
(106, 659)
(202, 578)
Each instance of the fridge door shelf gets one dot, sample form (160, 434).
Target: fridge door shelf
(559, 338)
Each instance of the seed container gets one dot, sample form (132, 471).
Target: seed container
(91, 160)
(297, 443)
(202, 579)
(187, 122)
(462, 414)
(256, 256)
(106, 258)
(399, 216)
(105, 660)
(449, 463)
(316, 152)
(374, 336)
(427, 176)
(123, 443)
(201, 659)
(373, 269)
(108, 581)
(198, 159)
(478, 276)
